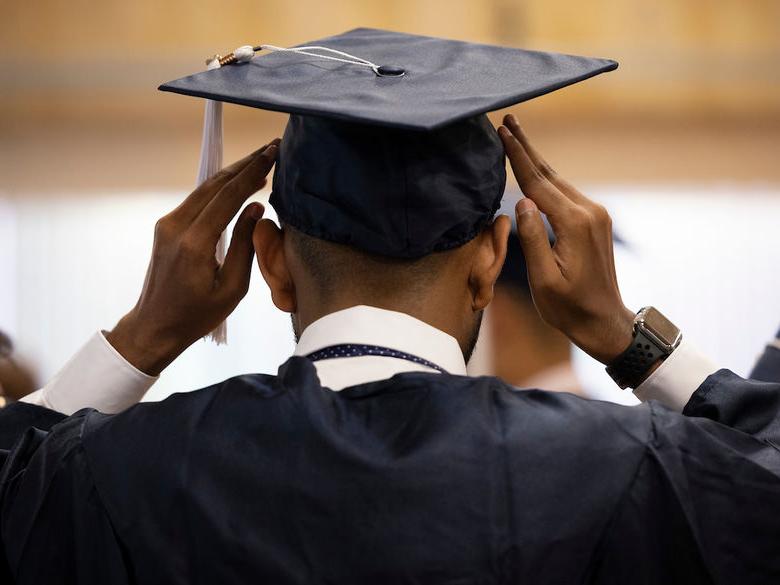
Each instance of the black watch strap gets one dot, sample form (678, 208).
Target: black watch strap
(631, 367)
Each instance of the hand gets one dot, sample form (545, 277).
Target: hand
(187, 293)
(573, 283)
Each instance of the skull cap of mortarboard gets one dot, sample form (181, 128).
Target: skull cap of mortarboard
(388, 148)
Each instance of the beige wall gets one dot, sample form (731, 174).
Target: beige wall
(675, 54)
(80, 74)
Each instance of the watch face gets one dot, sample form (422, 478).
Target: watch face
(660, 327)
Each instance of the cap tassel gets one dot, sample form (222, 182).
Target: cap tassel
(210, 164)
(211, 155)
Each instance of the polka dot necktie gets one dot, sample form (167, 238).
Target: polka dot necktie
(347, 350)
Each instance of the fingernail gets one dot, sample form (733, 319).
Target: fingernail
(256, 211)
(525, 206)
(513, 121)
(504, 131)
(271, 150)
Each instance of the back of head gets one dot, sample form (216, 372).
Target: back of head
(337, 270)
(390, 217)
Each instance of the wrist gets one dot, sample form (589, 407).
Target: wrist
(143, 348)
(620, 337)
(608, 337)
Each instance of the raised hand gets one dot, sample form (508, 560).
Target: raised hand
(187, 293)
(573, 283)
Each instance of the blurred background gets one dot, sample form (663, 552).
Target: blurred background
(681, 143)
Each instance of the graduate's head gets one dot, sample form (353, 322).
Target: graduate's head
(393, 218)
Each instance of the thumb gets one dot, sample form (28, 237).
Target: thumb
(235, 271)
(543, 271)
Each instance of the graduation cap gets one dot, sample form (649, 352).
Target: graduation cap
(387, 148)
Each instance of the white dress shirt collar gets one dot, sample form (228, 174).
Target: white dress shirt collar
(372, 326)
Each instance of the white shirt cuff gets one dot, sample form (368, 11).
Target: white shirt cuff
(677, 378)
(98, 377)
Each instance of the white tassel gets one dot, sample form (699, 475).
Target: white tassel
(211, 158)
(210, 164)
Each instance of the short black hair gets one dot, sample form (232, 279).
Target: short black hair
(333, 266)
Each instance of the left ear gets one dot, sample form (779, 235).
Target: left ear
(488, 261)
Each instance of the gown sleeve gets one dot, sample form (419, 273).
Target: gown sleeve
(46, 487)
(706, 497)
(19, 416)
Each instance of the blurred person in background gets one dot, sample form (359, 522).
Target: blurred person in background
(17, 379)
(524, 350)
(515, 327)
(767, 366)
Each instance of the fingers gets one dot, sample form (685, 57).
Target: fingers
(234, 274)
(534, 185)
(216, 216)
(543, 270)
(196, 201)
(541, 165)
(514, 127)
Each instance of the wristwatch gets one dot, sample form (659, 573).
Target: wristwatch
(655, 338)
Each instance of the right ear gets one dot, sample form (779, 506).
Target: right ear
(268, 240)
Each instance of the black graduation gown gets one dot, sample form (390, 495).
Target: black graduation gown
(423, 478)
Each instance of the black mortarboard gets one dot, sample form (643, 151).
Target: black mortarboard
(387, 148)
